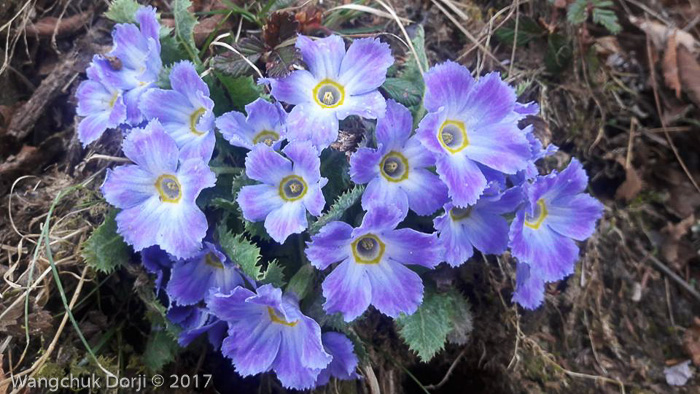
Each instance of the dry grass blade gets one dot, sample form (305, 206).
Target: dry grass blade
(369, 10)
(217, 42)
(404, 32)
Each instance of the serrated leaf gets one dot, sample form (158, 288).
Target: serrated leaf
(274, 274)
(461, 319)
(425, 331)
(122, 11)
(241, 90)
(406, 92)
(559, 53)
(577, 12)
(184, 28)
(241, 252)
(528, 30)
(106, 250)
(232, 64)
(606, 18)
(161, 350)
(281, 61)
(336, 211)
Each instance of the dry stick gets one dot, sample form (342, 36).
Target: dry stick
(515, 38)
(668, 272)
(405, 33)
(469, 36)
(498, 26)
(449, 372)
(663, 121)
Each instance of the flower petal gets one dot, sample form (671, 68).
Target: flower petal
(347, 290)
(168, 106)
(92, 127)
(286, 220)
(427, 131)
(395, 288)
(364, 66)
(128, 186)
(364, 165)
(447, 84)
(256, 351)
(380, 218)
(408, 246)
(264, 115)
(152, 149)
(487, 232)
(265, 165)
(330, 245)
(308, 122)
(235, 129)
(296, 88)
(456, 245)
(576, 217)
(370, 105)
(463, 178)
(324, 56)
(395, 127)
(305, 160)
(426, 192)
(257, 201)
(529, 289)
(314, 201)
(381, 192)
(502, 147)
(185, 80)
(194, 176)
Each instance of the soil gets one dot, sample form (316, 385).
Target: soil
(626, 105)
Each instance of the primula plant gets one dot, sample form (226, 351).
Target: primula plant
(265, 236)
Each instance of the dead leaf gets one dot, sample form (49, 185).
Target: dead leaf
(659, 33)
(674, 243)
(310, 19)
(280, 27)
(631, 186)
(691, 341)
(3, 387)
(670, 65)
(689, 72)
(607, 45)
(45, 27)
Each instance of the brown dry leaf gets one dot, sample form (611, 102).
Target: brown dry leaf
(673, 242)
(607, 45)
(631, 186)
(45, 27)
(670, 65)
(689, 72)
(3, 387)
(659, 33)
(691, 341)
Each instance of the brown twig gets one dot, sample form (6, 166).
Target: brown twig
(448, 373)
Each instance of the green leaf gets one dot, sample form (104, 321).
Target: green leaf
(122, 11)
(161, 350)
(460, 318)
(105, 250)
(274, 274)
(528, 30)
(426, 330)
(411, 70)
(405, 91)
(577, 13)
(336, 211)
(241, 90)
(302, 282)
(184, 28)
(559, 53)
(241, 252)
(606, 18)
(232, 64)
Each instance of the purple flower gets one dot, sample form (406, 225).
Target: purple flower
(157, 195)
(336, 85)
(195, 321)
(100, 101)
(268, 332)
(556, 213)
(529, 288)
(481, 226)
(396, 170)
(265, 124)
(290, 186)
(191, 279)
(373, 259)
(156, 261)
(471, 123)
(344, 361)
(185, 112)
(135, 59)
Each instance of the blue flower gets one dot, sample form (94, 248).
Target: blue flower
(157, 194)
(265, 124)
(556, 213)
(195, 321)
(396, 170)
(267, 331)
(156, 261)
(185, 112)
(471, 125)
(373, 259)
(290, 186)
(336, 85)
(191, 279)
(481, 226)
(100, 102)
(529, 288)
(344, 361)
(136, 61)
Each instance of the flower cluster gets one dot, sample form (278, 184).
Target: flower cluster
(468, 168)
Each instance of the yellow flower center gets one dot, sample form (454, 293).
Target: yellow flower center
(211, 260)
(541, 213)
(368, 249)
(194, 119)
(394, 167)
(292, 188)
(169, 188)
(267, 137)
(114, 99)
(279, 319)
(329, 94)
(453, 136)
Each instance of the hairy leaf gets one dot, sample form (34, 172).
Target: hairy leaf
(528, 30)
(405, 91)
(105, 250)
(274, 274)
(425, 331)
(411, 70)
(241, 252)
(606, 18)
(233, 64)
(336, 211)
(460, 317)
(184, 28)
(161, 350)
(281, 61)
(577, 12)
(241, 90)
(302, 282)
(122, 11)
